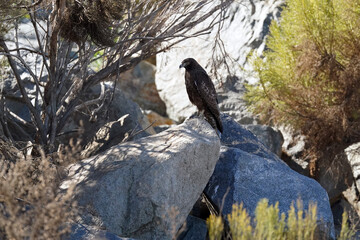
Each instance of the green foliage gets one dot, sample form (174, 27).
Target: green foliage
(216, 227)
(299, 225)
(268, 224)
(239, 222)
(309, 76)
(346, 232)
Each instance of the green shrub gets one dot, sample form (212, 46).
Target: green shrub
(239, 223)
(309, 77)
(346, 232)
(216, 227)
(300, 224)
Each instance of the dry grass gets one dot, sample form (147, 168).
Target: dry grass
(31, 206)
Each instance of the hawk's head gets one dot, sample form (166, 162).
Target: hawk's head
(188, 63)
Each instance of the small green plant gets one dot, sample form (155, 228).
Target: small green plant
(346, 232)
(216, 227)
(269, 224)
(300, 226)
(239, 223)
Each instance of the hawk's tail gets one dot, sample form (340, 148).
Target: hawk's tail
(214, 121)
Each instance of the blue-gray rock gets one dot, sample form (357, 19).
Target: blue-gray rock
(246, 173)
(146, 188)
(236, 136)
(195, 229)
(271, 137)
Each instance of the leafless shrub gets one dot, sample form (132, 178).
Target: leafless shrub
(76, 34)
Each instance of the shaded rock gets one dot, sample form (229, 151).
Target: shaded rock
(238, 137)
(111, 134)
(246, 173)
(333, 172)
(334, 175)
(145, 189)
(82, 232)
(194, 229)
(338, 209)
(271, 137)
(244, 30)
(111, 112)
(139, 85)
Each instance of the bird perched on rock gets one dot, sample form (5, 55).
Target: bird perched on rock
(201, 92)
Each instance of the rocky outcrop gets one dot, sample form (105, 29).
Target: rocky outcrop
(146, 188)
(247, 172)
(243, 30)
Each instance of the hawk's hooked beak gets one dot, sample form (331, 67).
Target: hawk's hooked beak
(181, 65)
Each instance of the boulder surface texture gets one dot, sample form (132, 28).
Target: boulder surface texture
(145, 189)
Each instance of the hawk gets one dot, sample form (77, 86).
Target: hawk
(201, 92)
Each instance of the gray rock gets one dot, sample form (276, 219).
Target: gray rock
(194, 229)
(244, 30)
(246, 175)
(146, 188)
(271, 137)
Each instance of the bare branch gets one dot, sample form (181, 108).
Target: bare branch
(137, 30)
(32, 109)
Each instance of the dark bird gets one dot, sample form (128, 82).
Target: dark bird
(201, 92)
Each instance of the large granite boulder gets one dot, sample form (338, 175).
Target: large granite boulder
(247, 172)
(145, 189)
(244, 30)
